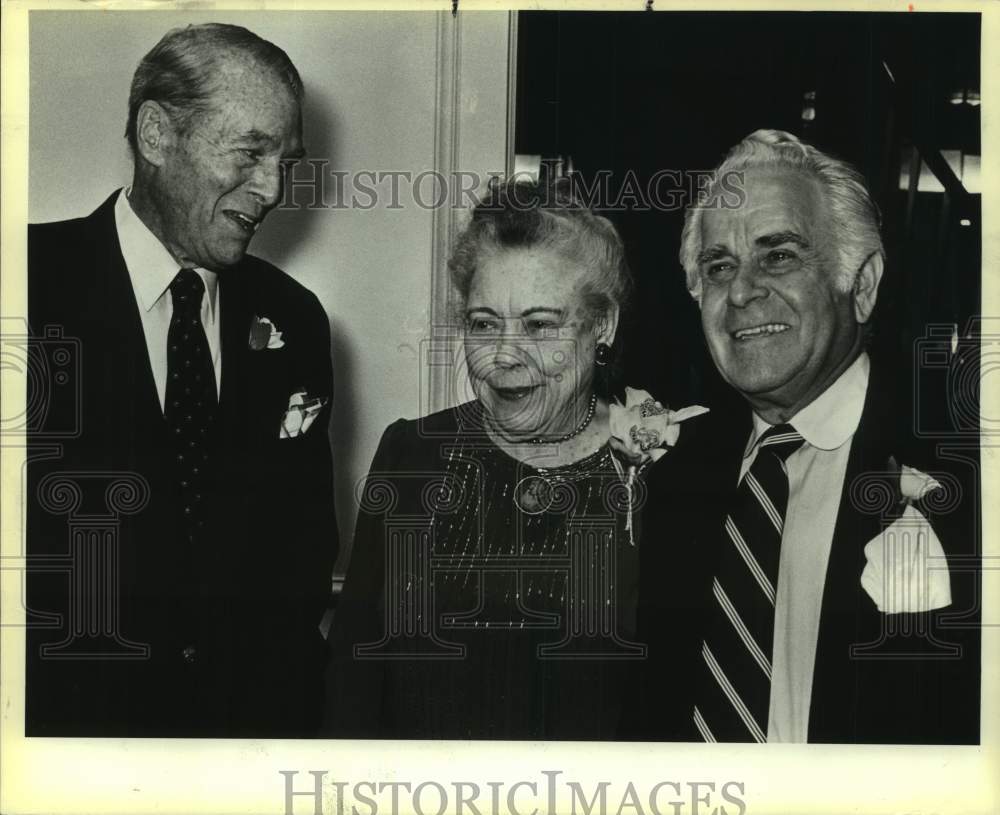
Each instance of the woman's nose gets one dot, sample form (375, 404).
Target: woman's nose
(511, 347)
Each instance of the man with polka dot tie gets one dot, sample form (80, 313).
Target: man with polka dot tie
(209, 599)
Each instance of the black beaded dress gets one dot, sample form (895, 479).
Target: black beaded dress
(486, 598)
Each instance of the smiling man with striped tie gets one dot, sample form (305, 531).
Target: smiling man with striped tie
(808, 611)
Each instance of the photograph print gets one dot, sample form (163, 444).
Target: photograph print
(522, 375)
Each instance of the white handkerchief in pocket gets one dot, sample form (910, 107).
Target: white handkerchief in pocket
(907, 570)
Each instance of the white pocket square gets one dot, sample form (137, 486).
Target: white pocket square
(907, 570)
(300, 415)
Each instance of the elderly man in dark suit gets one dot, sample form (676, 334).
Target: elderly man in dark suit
(800, 546)
(200, 465)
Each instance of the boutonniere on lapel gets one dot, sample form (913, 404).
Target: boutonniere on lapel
(642, 430)
(910, 485)
(302, 411)
(906, 569)
(264, 335)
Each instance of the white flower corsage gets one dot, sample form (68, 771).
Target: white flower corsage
(913, 484)
(301, 413)
(642, 430)
(264, 334)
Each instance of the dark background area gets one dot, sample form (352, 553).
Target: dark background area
(644, 92)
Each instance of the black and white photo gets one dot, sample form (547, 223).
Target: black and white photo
(396, 387)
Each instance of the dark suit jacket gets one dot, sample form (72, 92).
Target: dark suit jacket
(878, 678)
(153, 636)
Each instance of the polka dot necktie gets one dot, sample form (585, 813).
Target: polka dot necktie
(191, 403)
(735, 691)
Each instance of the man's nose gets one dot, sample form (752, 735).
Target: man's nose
(746, 285)
(267, 182)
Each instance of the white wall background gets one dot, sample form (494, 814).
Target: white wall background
(371, 83)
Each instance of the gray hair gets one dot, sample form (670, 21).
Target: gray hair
(855, 215)
(181, 71)
(527, 215)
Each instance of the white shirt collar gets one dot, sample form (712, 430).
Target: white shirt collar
(831, 418)
(151, 267)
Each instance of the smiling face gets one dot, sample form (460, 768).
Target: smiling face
(529, 343)
(216, 179)
(778, 329)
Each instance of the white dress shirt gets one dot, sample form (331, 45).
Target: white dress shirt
(815, 481)
(152, 269)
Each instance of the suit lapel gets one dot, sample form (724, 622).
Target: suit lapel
(119, 312)
(689, 493)
(848, 616)
(236, 313)
(711, 480)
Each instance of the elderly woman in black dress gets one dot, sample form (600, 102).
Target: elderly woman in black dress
(491, 592)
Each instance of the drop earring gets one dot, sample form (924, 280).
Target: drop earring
(602, 354)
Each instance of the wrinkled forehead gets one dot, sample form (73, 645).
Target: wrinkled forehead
(533, 274)
(773, 200)
(246, 88)
(239, 68)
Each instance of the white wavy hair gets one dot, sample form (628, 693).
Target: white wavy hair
(855, 215)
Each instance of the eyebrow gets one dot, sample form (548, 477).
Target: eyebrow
(558, 312)
(258, 137)
(713, 253)
(778, 238)
(470, 311)
(764, 241)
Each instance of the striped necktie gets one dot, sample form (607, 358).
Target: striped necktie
(191, 403)
(735, 690)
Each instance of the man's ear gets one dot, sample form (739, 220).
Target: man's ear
(866, 287)
(607, 325)
(154, 132)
